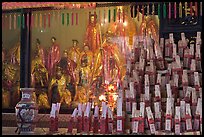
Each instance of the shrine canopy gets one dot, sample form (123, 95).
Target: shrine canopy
(57, 5)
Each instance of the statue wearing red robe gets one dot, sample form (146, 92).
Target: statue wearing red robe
(92, 36)
(53, 56)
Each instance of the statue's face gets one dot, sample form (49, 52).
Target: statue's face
(86, 48)
(75, 44)
(58, 75)
(53, 40)
(65, 54)
(92, 19)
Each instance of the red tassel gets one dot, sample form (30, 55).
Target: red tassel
(76, 18)
(49, 20)
(175, 10)
(191, 10)
(142, 12)
(196, 8)
(123, 15)
(44, 20)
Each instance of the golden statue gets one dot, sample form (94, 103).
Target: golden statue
(10, 84)
(109, 63)
(57, 90)
(39, 73)
(92, 36)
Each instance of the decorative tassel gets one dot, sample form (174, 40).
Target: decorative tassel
(19, 21)
(159, 14)
(138, 17)
(186, 6)
(67, 19)
(62, 18)
(23, 21)
(76, 18)
(191, 6)
(27, 20)
(49, 19)
(201, 8)
(169, 10)
(114, 15)
(134, 12)
(6, 24)
(123, 15)
(153, 9)
(10, 22)
(180, 10)
(40, 20)
(147, 9)
(131, 11)
(14, 21)
(104, 16)
(58, 17)
(99, 16)
(32, 21)
(36, 20)
(196, 8)
(45, 20)
(109, 15)
(142, 12)
(175, 10)
(164, 11)
(72, 18)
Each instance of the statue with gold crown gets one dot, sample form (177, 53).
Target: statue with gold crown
(92, 36)
(57, 90)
